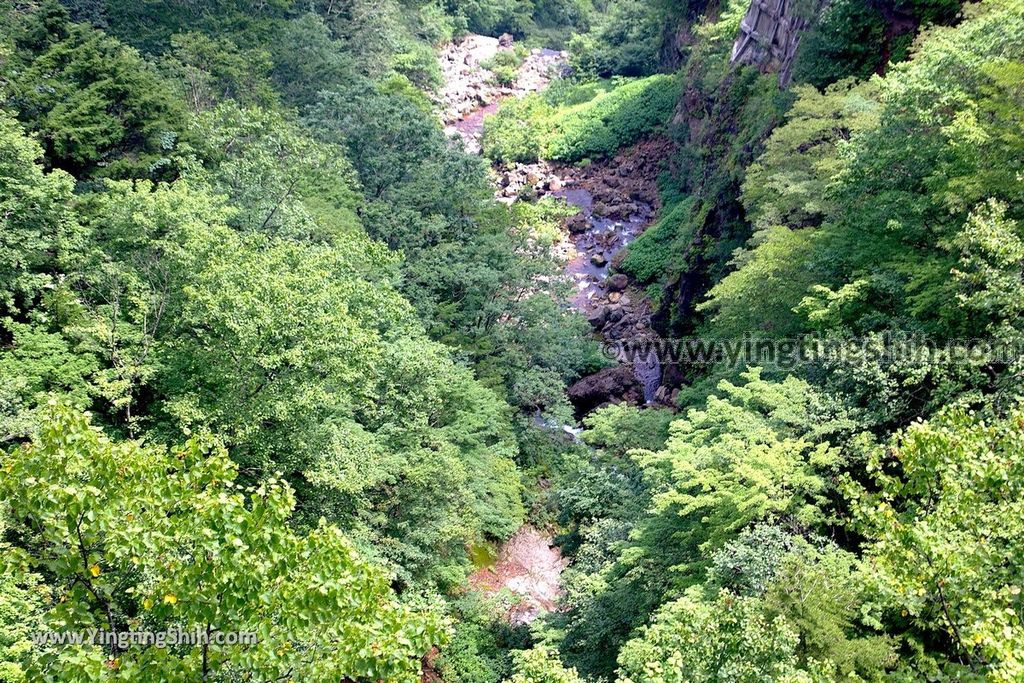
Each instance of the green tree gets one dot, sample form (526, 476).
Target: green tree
(99, 108)
(730, 639)
(148, 538)
(36, 227)
(943, 522)
(541, 665)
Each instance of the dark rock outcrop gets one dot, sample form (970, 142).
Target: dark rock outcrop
(618, 282)
(611, 385)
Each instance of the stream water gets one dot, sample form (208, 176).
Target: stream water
(590, 268)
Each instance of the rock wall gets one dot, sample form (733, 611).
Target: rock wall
(769, 35)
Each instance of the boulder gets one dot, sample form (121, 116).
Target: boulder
(598, 318)
(599, 260)
(505, 40)
(617, 282)
(611, 385)
(577, 224)
(555, 185)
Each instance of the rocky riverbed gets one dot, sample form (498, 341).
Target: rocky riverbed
(617, 199)
(529, 567)
(471, 91)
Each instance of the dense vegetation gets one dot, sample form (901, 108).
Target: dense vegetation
(578, 122)
(273, 359)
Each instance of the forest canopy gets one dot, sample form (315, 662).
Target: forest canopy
(281, 357)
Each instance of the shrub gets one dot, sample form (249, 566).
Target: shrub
(650, 254)
(505, 75)
(599, 120)
(515, 132)
(613, 119)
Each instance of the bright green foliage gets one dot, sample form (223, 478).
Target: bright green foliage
(723, 116)
(286, 350)
(785, 193)
(905, 190)
(730, 640)
(861, 201)
(280, 180)
(541, 665)
(145, 538)
(37, 363)
(776, 607)
(788, 184)
(97, 105)
(619, 428)
(481, 277)
(650, 255)
(35, 225)
(612, 120)
(824, 594)
(530, 128)
(991, 253)
(777, 257)
(945, 529)
(759, 452)
(517, 131)
(747, 456)
(794, 618)
(22, 596)
(321, 278)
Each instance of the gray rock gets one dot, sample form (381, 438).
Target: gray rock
(577, 224)
(611, 385)
(598, 318)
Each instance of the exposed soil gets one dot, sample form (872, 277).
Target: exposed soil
(530, 566)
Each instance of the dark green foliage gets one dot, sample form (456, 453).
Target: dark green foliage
(216, 69)
(99, 108)
(308, 60)
(479, 650)
(625, 41)
(254, 227)
(848, 40)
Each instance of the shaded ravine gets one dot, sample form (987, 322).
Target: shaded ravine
(617, 200)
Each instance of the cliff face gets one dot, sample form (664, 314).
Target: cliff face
(769, 36)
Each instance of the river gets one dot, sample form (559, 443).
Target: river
(617, 200)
